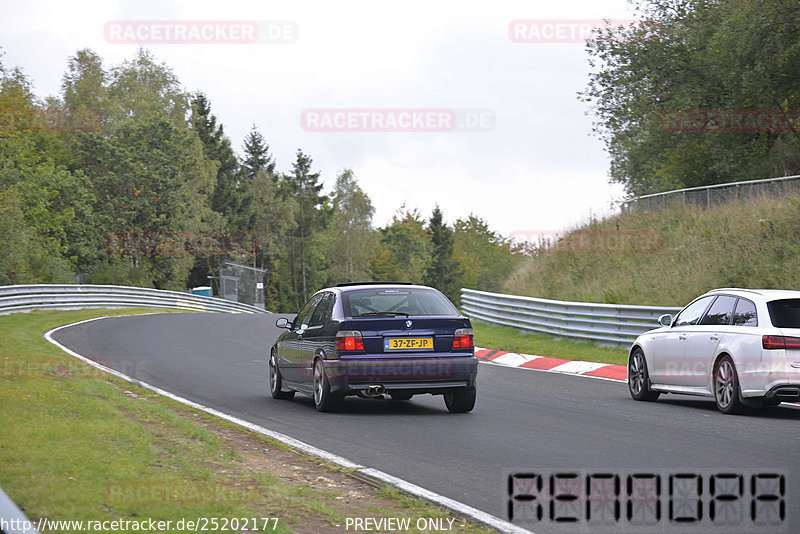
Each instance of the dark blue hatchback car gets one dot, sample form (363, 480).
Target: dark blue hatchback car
(372, 339)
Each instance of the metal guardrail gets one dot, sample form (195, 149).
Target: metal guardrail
(604, 324)
(713, 195)
(25, 298)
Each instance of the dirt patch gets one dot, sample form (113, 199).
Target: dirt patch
(343, 494)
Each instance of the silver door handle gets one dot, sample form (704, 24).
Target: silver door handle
(714, 337)
(682, 337)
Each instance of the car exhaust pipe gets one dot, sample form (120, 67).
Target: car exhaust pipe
(374, 391)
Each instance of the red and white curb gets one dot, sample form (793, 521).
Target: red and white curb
(603, 371)
(556, 365)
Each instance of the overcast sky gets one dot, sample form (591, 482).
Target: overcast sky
(533, 165)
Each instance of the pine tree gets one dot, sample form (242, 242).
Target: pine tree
(444, 272)
(312, 216)
(257, 156)
(227, 198)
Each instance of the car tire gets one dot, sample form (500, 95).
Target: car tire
(726, 386)
(324, 400)
(639, 378)
(276, 381)
(401, 396)
(461, 400)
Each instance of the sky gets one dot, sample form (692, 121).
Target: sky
(446, 105)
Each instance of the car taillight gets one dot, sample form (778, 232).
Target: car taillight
(347, 340)
(780, 342)
(463, 339)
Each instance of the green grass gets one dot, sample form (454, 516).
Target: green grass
(83, 445)
(510, 339)
(752, 244)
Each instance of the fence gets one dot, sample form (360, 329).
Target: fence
(714, 195)
(24, 298)
(604, 324)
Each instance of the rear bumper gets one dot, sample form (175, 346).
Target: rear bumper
(412, 374)
(758, 381)
(784, 393)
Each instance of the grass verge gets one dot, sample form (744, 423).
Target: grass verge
(85, 446)
(668, 257)
(510, 339)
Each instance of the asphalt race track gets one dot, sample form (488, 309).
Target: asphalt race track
(523, 420)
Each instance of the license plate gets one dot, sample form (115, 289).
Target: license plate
(408, 343)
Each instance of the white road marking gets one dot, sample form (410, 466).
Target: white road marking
(577, 367)
(513, 359)
(458, 507)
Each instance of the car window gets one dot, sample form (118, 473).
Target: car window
(745, 314)
(323, 312)
(405, 301)
(785, 313)
(720, 312)
(692, 313)
(304, 317)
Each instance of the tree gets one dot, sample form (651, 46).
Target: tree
(274, 219)
(350, 240)
(485, 257)
(227, 197)
(408, 244)
(54, 203)
(83, 86)
(443, 271)
(312, 216)
(257, 161)
(25, 257)
(142, 88)
(257, 156)
(696, 55)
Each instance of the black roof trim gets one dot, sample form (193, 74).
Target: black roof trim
(347, 284)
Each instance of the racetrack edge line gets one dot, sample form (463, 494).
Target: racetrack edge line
(408, 487)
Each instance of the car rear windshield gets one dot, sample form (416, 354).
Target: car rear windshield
(401, 302)
(785, 313)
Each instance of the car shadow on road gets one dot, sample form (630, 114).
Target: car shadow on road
(776, 412)
(385, 406)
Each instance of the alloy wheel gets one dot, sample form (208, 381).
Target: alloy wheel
(725, 385)
(636, 373)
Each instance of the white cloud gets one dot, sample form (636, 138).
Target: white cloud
(538, 169)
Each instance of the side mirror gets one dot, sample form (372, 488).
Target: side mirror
(665, 320)
(283, 322)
